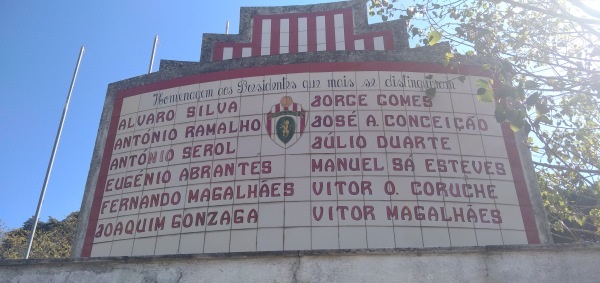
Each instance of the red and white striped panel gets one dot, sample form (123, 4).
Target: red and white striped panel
(306, 32)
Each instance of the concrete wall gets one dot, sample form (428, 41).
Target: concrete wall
(553, 263)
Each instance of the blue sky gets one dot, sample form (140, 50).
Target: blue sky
(39, 45)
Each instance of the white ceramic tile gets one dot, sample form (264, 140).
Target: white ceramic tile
(511, 217)
(408, 237)
(251, 105)
(302, 24)
(284, 25)
(323, 188)
(505, 192)
(271, 214)
(426, 189)
(269, 239)
(297, 214)
(486, 237)
(321, 47)
(266, 26)
(339, 36)
(301, 146)
(338, 20)
(227, 53)
(125, 227)
(494, 146)
(122, 248)
(222, 220)
(325, 238)
(471, 145)
(485, 216)
(284, 40)
(353, 237)
(171, 226)
(217, 242)
(106, 229)
(324, 213)
(167, 245)
(461, 237)
(359, 44)
(320, 22)
(459, 87)
(222, 193)
(463, 103)
(459, 212)
(351, 213)
(434, 213)
(297, 238)
(248, 191)
(110, 206)
(442, 102)
(246, 52)
(243, 240)
(378, 215)
(378, 43)
(435, 237)
(501, 169)
(514, 237)
(485, 108)
(148, 224)
(344, 84)
(270, 147)
(197, 195)
(265, 51)
(147, 100)
(272, 167)
(396, 188)
(295, 189)
(101, 249)
(245, 216)
(488, 126)
(302, 39)
(376, 188)
(350, 188)
(130, 104)
(192, 243)
(380, 237)
(250, 146)
(425, 165)
(127, 123)
(446, 143)
(144, 246)
(223, 170)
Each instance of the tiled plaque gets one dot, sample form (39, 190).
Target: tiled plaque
(308, 157)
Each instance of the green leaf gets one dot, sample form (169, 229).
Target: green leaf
(530, 85)
(415, 31)
(433, 37)
(532, 99)
(514, 127)
(430, 92)
(485, 67)
(500, 114)
(484, 91)
(447, 58)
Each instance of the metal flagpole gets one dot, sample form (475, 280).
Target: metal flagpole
(153, 52)
(60, 127)
(227, 28)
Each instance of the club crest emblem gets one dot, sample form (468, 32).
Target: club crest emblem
(286, 122)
